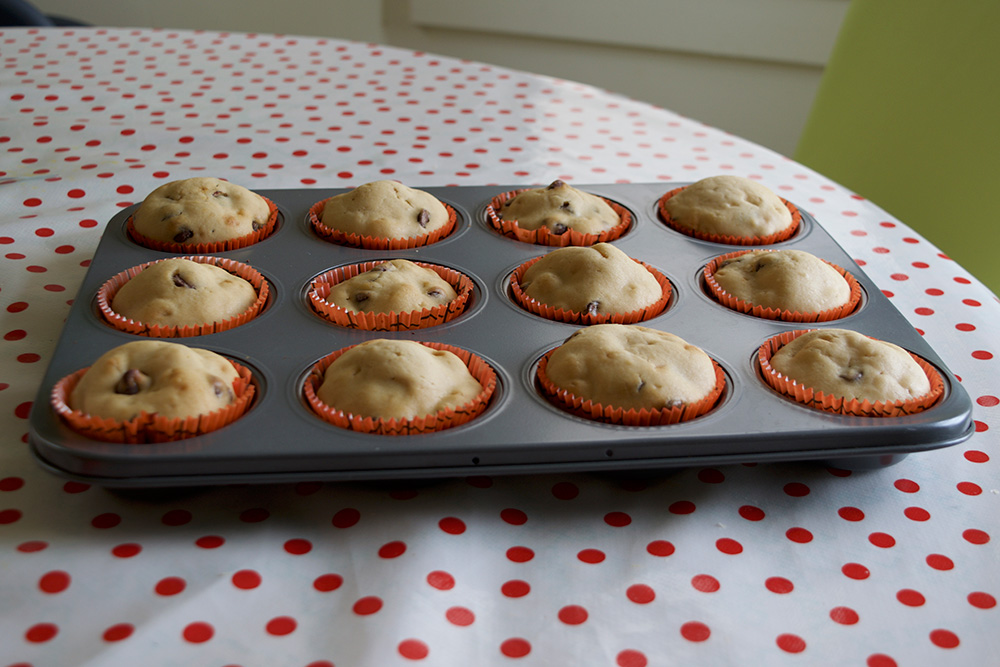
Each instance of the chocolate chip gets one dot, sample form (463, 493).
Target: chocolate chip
(642, 383)
(257, 226)
(129, 383)
(183, 235)
(760, 265)
(592, 307)
(559, 229)
(219, 193)
(556, 184)
(565, 204)
(179, 281)
(435, 292)
(361, 296)
(423, 217)
(220, 389)
(385, 266)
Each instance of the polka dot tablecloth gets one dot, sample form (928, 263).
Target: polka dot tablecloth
(776, 564)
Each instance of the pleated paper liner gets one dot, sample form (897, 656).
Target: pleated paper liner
(841, 405)
(377, 242)
(206, 248)
(769, 313)
(148, 428)
(319, 291)
(776, 237)
(443, 419)
(107, 292)
(546, 237)
(576, 317)
(610, 414)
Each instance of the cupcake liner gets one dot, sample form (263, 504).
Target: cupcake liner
(375, 242)
(206, 248)
(443, 419)
(319, 291)
(107, 292)
(146, 428)
(576, 317)
(819, 400)
(542, 235)
(588, 409)
(777, 237)
(765, 312)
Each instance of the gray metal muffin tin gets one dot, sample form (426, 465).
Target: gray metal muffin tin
(281, 440)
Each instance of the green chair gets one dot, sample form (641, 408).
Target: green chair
(908, 116)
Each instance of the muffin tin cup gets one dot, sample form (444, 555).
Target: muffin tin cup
(610, 414)
(376, 242)
(766, 312)
(106, 296)
(587, 318)
(544, 236)
(148, 428)
(207, 248)
(319, 291)
(814, 398)
(441, 420)
(769, 239)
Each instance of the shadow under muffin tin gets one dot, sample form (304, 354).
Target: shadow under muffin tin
(280, 439)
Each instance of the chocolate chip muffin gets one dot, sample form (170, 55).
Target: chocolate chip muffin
(792, 280)
(385, 210)
(200, 210)
(394, 286)
(559, 207)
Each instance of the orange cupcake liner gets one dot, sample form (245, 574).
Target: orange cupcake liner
(727, 239)
(765, 312)
(319, 291)
(107, 292)
(576, 317)
(543, 236)
(439, 421)
(609, 414)
(375, 242)
(206, 248)
(147, 428)
(814, 398)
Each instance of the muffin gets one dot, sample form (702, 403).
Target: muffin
(153, 391)
(844, 371)
(394, 286)
(631, 374)
(201, 211)
(730, 209)
(790, 285)
(383, 211)
(180, 292)
(598, 280)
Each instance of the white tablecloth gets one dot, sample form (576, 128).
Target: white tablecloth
(775, 564)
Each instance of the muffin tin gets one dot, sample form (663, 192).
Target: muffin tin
(281, 440)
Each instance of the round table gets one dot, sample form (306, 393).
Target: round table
(780, 563)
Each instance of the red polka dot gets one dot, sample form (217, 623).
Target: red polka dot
(460, 616)
(392, 549)
(346, 517)
(591, 556)
(515, 647)
(711, 476)
(844, 615)
(796, 489)
(105, 521)
(9, 516)
(660, 548)
(198, 632)
(515, 588)
(779, 585)
(969, 488)
(799, 535)
(681, 507)
(640, 594)
(170, 586)
(452, 525)
(976, 536)
(32, 546)
(255, 515)
(514, 517)
(695, 631)
(573, 614)
(906, 485)
(11, 483)
(249, 579)
(982, 355)
(882, 540)
(75, 487)
(880, 660)
(976, 456)
(413, 649)
(281, 626)
(855, 571)
(851, 514)
(705, 583)
(76, 193)
(944, 639)
(441, 580)
(751, 513)
(565, 490)
(126, 550)
(41, 632)
(791, 643)
(54, 582)
(617, 519)
(118, 632)
(910, 597)
(939, 562)
(982, 600)
(988, 401)
(728, 546)
(520, 554)
(631, 658)
(367, 605)
(32, 201)
(298, 546)
(210, 542)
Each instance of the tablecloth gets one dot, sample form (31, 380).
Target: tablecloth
(776, 564)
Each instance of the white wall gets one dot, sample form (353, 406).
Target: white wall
(750, 67)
